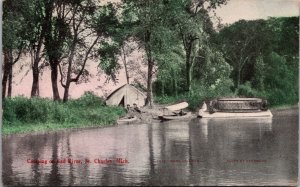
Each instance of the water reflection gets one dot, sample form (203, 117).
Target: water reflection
(196, 152)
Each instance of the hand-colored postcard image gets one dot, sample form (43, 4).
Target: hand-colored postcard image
(150, 92)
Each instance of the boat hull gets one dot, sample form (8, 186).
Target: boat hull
(175, 117)
(126, 120)
(259, 114)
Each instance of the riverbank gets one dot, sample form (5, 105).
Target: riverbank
(285, 110)
(22, 115)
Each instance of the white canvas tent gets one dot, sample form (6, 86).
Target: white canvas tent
(125, 95)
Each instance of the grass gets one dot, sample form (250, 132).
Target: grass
(283, 107)
(22, 115)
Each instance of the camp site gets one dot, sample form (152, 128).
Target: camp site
(150, 92)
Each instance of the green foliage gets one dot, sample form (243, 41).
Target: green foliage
(280, 83)
(89, 99)
(265, 54)
(246, 90)
(89, 110)
(199, 94)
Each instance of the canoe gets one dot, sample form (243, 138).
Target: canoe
(178, 106)
(206, 114)
(175, 117)
(127, 120)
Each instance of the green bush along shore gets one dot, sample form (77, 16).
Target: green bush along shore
(22, 114)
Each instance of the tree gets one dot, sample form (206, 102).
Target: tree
(13, 40)
(35, 35)
(241, 43)
(78, 49)
(56, 12)
(193, 25)
(147, 20)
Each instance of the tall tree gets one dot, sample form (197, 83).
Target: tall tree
(147, 20)
(35, 34)
(78, 49)
(241, 43)
(56, 13)
(13, 40)
(193, 25)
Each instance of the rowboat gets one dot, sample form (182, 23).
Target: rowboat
(178, 106)
(126, 120)
(174, 112)
(175, 117)
(235, 108)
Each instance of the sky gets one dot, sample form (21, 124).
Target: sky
(233, 11)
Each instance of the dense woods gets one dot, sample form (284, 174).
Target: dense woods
(186, 53)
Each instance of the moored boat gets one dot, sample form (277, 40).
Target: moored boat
(175, 116)
(127, 120)
(235, 108)
(175, 112)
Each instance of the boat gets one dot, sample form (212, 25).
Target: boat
(127, 120)
(235, 108)
(178, 106)
(175, 117)
(174, 112)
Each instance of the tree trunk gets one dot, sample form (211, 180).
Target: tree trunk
(125, 64)
(162, 88)
(35, 80)
(66, 92)
(9, 90)
(10, 71)
(175, 86)
(54, 72)
(35, 92)
(70, 61)
(149, 101)
(238, 78)
(5, 73)
(188, 67)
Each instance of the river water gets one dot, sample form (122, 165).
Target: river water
(195, 152)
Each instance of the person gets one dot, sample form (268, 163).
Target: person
(136, 108)
(211, 106)
(129, 111)
(264, 105)
(181, 113)
(128, 107)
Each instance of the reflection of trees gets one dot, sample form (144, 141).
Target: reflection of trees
(36, 149)
(7, 160)
(150, 143)
(69, 155)
(33, 145)
(55, 178)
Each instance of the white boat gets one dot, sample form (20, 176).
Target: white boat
(126, 120)
(206, 114)
(176, 107)
(235, 108)
(174, 112)
(175, 116)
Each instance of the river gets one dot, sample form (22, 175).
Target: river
(195, 152)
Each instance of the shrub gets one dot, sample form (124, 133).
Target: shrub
(88, 99)
(89, 109)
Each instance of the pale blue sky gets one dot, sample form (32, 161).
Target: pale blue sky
(257, 9)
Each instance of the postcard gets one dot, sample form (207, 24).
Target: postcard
(150, 93)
